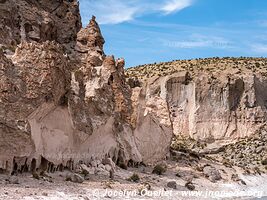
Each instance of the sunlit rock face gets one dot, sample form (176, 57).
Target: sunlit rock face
(212, 100)
(63, 101)
(228, 108)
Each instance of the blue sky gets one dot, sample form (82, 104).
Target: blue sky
(143, 31)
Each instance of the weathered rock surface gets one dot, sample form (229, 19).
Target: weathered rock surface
(75, 178)
(209, 99)
(151, 119)
(63, 101)
(39, 21)
(172, 184)
(212, 173)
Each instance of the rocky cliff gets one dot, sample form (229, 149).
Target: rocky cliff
(206, 99)
(39, 21)
(63, 101)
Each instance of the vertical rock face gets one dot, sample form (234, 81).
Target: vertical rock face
(226, 109)
(152, 122)
(63, 100)
(38, 21)
(221, 104)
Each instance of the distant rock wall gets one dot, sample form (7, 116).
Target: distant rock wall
(208, 107)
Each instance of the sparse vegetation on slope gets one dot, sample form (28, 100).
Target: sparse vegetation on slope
(212, 65)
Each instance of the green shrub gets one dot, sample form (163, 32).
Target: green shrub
(134, 178)
(159, 169)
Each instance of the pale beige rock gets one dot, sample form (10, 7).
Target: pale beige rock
(153, 128)
(203, 107)
(58, 110)
(63, 101)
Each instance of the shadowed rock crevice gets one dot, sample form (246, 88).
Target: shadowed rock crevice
(236, 91)
(260, 92)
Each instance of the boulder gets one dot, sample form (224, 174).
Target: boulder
(13, 180)
(75, 178)
(190, 186)
(212, 173)
(172, 184)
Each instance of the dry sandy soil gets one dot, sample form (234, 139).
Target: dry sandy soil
(150, 186)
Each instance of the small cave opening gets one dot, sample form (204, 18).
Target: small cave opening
(15, 168)
(69, 165)
(28, 27)
(60, 168)
(121, 161)
(236, 92)
(24, 167)
(64, 100)
(33, 165)
(110, 80)
(51, 168)
(83, 41)
(43, 165)
(131, 163)
(4, 170)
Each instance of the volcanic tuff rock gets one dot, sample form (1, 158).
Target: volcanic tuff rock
(30, 20)
(206, 99)
(63, 101)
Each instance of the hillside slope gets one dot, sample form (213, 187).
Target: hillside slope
(206, 99)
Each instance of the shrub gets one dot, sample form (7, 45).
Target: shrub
(134, 178)
(159, 169)
(84, 172)
(264, 161)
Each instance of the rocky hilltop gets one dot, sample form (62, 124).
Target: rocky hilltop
(64, 102)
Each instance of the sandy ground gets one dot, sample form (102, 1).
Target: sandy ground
(151, 186)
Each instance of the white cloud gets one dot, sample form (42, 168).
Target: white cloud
(118, 11)
(187, 44)
(175, 5)
(200, 41)
(108, 11)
